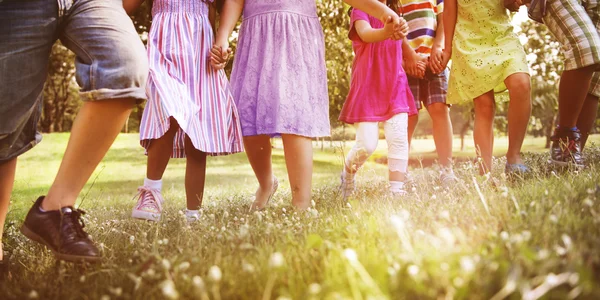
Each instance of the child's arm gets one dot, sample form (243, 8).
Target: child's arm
(212, 15)
(414, 64)
(131, 5)
(384, 13)
(370, 35)
(450, 15)
(232, 10)
(437, 51)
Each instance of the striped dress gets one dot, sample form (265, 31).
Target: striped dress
(183, 85)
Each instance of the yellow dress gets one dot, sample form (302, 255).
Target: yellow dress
(485, 50)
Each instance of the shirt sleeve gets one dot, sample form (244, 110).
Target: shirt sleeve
(356, 15)
(439, 8)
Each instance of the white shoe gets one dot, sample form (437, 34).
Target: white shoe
(347, 185)
(149, 204)
(192, 216)
(447, 177)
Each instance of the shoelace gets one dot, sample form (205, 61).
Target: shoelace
(73, 224)
(156, 199)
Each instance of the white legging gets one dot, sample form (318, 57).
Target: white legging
(367, 136)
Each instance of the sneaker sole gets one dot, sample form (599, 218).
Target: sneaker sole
(61, 256)
(143, 215)
(565, 164)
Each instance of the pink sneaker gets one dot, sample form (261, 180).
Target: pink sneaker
(149, 205)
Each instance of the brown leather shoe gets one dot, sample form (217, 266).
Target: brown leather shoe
(62, 232)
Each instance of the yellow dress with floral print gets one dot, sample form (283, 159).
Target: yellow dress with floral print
(485, 50)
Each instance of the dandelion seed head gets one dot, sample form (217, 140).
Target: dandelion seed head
(504, 235)
(553, 219)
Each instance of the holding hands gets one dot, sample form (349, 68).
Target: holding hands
(219, 55)
(395, 27)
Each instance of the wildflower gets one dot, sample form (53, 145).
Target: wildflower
(276, 261)
(116, 291)
(168, 289)
(587, 202)
(350, 255)
(526, 235)
(214, 274)
(131, 239)
(166, 264)
(433, 197)
(504, 235)
(467, 264)
(314, 288)
(248, 268)
(33, 294)
(198, 282)
(82, 279)
(413, 270)
(183, 266)
(445, 215)
(553, 219)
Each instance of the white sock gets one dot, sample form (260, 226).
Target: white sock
(396, 186)
(154, 184)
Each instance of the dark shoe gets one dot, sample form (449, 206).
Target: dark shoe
(566, 148)
(62, 232)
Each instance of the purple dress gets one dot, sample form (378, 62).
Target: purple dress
(279, 80)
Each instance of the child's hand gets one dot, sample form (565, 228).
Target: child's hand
(415, 65)
(435, 60)
(446, 55)
(513, 5)
(400, 29)
(219, 55)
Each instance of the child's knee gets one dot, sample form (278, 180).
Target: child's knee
(521, 84)
(438, 110)
(366, 147)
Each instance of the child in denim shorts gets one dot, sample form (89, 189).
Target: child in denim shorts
(111, 70)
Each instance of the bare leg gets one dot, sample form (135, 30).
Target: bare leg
(195, 174)
(442, 132)
(587, 117)
(519, 111)
(95, 128)
(258, 149)
(412, 125)
(159, 152)
(483, 129)
(299, 162)
(7, 179)
(573, 88)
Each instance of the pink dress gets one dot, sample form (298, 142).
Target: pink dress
(184, 86)
(379, 87)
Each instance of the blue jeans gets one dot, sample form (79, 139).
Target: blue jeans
(111, 60)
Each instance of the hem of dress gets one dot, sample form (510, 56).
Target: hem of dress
(472, 98)
(180, 153)
(279, 133)
(377, 119)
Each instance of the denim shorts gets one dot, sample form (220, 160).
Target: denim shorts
(111, 60)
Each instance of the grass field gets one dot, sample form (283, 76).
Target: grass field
(538, 238)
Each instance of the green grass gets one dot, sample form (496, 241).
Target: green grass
(537, 238)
